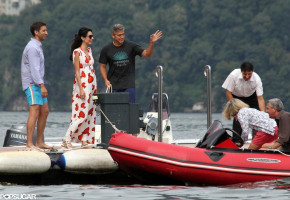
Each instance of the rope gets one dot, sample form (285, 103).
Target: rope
(277, 150)
(113, 126)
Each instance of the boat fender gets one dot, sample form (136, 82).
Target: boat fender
(87, 161)
(61, 162)
(24, 162)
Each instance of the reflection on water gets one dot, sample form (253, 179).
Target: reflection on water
(247, 191)
(273, 184)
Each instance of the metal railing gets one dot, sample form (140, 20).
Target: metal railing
(207, 74)
(159, 74)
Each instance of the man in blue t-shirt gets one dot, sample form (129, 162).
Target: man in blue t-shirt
(120, 55)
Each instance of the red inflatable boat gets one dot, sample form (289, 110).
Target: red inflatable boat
(215, 160)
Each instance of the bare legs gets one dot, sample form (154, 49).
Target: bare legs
(37, 113)
(33, 115)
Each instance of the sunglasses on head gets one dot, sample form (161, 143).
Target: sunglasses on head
(90, 36)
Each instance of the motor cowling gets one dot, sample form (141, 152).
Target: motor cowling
(17, 136)
(152, 126)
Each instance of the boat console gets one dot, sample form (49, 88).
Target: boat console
(218, 136)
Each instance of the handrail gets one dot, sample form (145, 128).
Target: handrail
(159, 71)
(207, 74)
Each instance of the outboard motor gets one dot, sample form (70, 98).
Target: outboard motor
(152, 126)
(17, 136)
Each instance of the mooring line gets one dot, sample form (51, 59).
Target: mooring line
(113, 126)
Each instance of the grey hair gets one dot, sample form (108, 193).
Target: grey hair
(276, 103)
(117, 27)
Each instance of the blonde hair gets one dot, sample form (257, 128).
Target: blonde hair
(232, 108)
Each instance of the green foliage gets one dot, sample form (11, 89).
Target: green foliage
(196, 33)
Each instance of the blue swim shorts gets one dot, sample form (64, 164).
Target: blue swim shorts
(33, 95)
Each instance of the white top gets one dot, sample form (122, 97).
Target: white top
(251, 118)
(241, 88)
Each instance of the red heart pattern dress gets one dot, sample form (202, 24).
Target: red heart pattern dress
(83, 119)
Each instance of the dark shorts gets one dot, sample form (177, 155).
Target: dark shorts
(131, 92)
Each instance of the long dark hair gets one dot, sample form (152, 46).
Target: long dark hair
(77, 41)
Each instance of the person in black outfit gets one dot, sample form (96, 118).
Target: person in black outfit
(120, 56)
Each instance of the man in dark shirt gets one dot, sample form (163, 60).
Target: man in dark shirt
(120, 55)
(275, 109)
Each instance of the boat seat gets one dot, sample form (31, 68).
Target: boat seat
(165, 114)
(228, 143)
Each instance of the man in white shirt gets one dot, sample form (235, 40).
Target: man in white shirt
(246, 85)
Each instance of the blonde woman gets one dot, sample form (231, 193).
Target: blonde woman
(252, 119)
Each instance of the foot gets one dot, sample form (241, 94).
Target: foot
(32, 148)
(66, 144)
(85, 145)
(43, 146)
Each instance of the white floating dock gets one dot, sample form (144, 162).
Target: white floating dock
(87, 161)
(24, 162)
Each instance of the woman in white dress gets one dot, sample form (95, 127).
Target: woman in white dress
(83, 118)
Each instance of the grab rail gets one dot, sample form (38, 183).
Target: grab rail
(207, 74)
(159, 71)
